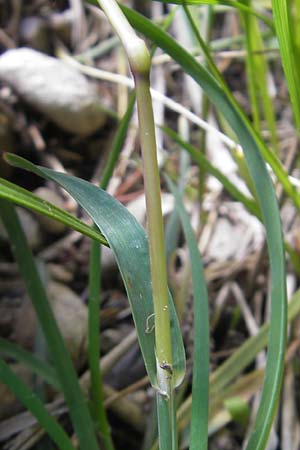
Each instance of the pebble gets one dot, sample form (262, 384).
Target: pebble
(71, 316)
(56, 89)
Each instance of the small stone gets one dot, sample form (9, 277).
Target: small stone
(54, 88)
(71, 316)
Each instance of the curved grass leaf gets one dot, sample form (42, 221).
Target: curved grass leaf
(221, 378)
(257, 79)
(78, 410)
(236, 194)
(97, 398)
(22, 197)
(203, 162)
(230, 3)
(231, 111)
(38, 366)
(35, 406)
(252, 147)
(268, 155)
(200, 387)
(281, 11)
(128, 241)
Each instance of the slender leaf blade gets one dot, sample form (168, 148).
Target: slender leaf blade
(62, 360)
(203, 162)
(39, 367)
(35, 406)
(200, 386)
(287, 50)
(230, 3)
(128, 241)
(22, 197)
(97, 403)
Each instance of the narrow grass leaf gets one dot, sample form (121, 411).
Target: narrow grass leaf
(200, 386)
(35, 406)
(128, 241)
(118, 143)
(257, 69)
(249, 139)
(252, 147)
(281, 12)
(172, 228)
(97, 403)
(167, 424)
(236, 194)
(230, 3)
(204, 163)
(240, 359)
(35, 364)
(78, 410)
(22, 197)
(245, 354)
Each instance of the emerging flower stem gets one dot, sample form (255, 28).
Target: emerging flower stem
(139, 60)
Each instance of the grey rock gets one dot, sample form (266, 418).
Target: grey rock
(53, 87)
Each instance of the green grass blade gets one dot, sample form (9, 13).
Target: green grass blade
(118, 143)
(35, 406)
(269, 157)
(249, 139)
(231, 3)
(283, 25)
(128, 241)
(200, 386)
(236, 194)
(39, 367)
(203, 162)
(22, 197)
(97, 404)
(252, 147)
(296, 31)
(167, 424)
(241, 358)
(248, 351)
(172, 228)
(63, 364)
(252, 79)
(257, 77)
(96, 391)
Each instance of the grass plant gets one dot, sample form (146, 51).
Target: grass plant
(141, 257)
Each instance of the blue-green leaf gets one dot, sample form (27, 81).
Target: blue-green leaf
(128, 241)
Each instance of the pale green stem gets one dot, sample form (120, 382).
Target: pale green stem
(139, 60)
(135, 48)
(155, 223)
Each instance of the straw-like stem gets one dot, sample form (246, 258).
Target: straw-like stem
(139, 60)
